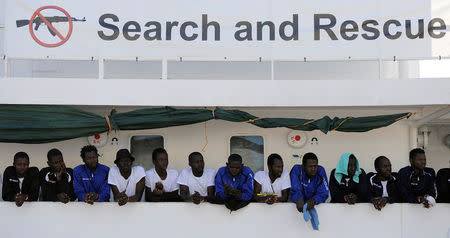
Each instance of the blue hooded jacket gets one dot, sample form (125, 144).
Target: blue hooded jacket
(306, 188)
(243, 182)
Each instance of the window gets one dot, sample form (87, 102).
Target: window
(142, 148)
(251, 149)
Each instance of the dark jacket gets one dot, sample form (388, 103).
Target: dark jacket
(443, 185)
(50, 187)
(376, 188)
(412, 186)
(30, 185)
(338, 190)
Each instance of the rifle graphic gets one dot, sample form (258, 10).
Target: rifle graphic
(38, 21)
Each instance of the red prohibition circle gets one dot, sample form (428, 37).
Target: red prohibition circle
(63, 38)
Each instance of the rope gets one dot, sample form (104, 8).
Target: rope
(111, 128)
(304, 124)
(431, 109)
(342, 122)
(206, 139)
(212, 111)
(251, 120)
(422, 111)
(403, 117)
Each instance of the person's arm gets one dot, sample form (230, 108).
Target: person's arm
(184, 193)
(257, 190)
(33, 192)
(148, 194)
(116, 193)
(363, 189)
(284, 195)
(431, 191)
(184, 188)
(247, 188)
(70, 190)
(164, 197)
(139, 191)
(337, 195)
(322, 191)
(104, 192)
(442, 186)
(171, 196)
(220, 189)
(296, 190)
(404, 187)
(8, 191)
(394, 192)
(63, 187)
(211, 190)
(78, 187)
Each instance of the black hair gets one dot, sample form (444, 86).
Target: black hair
(234, 157)
(271, 159)
(52, 153)
(309, 156)
(193, 155)
(413, 153)
(352, 156)
(158, 151)
(21, 155)
(378, 161)
(88, 148)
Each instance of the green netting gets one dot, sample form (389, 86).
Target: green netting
(42, 124)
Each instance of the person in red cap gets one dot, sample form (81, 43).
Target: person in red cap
(127, 183)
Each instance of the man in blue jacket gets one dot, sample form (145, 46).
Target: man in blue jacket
(234, 183)
(309, 183)
(90, 182)
(417, 181)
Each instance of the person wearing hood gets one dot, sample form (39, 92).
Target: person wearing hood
(348, 182)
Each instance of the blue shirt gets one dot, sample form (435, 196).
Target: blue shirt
(242, 182)
(84, 181)
(307, 188)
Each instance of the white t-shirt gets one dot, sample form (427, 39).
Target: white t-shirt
(385, 193)
(281, 183)
(199, 184)
(115, 178)
(170, 183)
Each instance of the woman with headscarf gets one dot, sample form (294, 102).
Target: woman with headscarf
(348, 182)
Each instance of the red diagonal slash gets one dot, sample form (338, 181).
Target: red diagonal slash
(51, 26)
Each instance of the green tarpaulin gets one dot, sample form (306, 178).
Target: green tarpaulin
(42, 124)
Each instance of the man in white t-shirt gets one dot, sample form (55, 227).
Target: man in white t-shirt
(161, 182)
(127, 183)
(196, 183)
(272, 186)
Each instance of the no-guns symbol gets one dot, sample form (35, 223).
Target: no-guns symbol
(37, 19)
